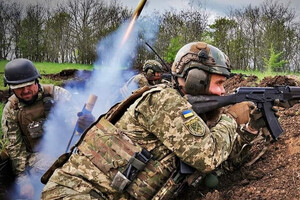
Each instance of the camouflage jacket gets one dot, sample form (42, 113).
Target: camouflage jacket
(141, 80)
(164, 123)
(16, 147)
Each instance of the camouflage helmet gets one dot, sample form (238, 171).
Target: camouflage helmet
(153, 65)
(19, 73)
(202, 56)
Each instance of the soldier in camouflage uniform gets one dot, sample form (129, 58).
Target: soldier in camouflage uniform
(152, 71)
(23, 117)
(151, 75)
(135, 150)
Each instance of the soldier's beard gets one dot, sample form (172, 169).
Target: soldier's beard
(29, 102)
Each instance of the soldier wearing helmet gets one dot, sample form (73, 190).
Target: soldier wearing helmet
(152, 71)
(150, 144)
(151, 75)
(23, 118)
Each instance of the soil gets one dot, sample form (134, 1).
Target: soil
(275, 175)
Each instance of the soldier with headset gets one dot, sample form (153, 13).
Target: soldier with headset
(142, 147)
(151, 75)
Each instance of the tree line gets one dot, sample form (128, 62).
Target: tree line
(253, 37)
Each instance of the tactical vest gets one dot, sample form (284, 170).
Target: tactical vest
(111, 151)
(30, 118)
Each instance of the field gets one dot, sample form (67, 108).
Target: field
(275, 175)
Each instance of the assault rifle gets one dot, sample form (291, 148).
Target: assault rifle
(263, 97)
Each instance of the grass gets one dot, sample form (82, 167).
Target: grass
(46, 68)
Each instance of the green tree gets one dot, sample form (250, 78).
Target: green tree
(32, 36)
(58, 37)
(175, 44)
(274, 63)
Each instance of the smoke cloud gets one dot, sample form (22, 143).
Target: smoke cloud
(111, 70)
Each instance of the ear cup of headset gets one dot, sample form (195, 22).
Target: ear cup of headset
(196, 82)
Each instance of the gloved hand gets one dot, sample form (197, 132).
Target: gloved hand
(257, 121)
(241, 111)
(285, 104)
(84, 120)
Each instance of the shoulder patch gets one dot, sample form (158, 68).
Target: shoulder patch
(195, 127)
(187, 114)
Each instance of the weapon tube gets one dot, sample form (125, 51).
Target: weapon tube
(139, 8)
(87, 109)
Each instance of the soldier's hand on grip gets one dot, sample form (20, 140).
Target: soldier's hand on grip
(84, 120)
(241, 111)
(257, 121)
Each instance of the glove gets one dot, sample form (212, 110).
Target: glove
(285, 103)
(257, 121)
(241, 111)
(84, 120)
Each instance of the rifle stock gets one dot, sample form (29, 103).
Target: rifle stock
(263, 97)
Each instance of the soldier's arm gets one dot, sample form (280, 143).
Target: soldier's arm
(16, 148)
(171, 118)
(141, 80)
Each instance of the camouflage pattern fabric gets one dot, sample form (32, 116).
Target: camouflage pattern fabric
(16, 146)
(163, 117)
(141, 80)
(163, 122)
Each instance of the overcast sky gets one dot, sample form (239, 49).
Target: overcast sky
(214, 7)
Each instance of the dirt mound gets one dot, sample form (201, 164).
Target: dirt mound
(240, 80)
(278, 80)
(69, 74)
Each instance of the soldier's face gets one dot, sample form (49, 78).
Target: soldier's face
(28, 92)
(216, 86)
(157, 75)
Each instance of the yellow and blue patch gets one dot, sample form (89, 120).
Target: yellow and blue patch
(187, 113)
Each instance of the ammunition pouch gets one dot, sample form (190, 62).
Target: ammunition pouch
(35, 129)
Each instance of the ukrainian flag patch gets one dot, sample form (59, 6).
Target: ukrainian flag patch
(187, 113)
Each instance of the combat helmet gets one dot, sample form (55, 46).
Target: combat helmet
(19, 72)
(195, 62)
(153, 66)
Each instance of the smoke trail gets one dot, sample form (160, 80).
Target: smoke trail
(111, 70)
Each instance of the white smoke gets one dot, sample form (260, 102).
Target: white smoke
(111, 70)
